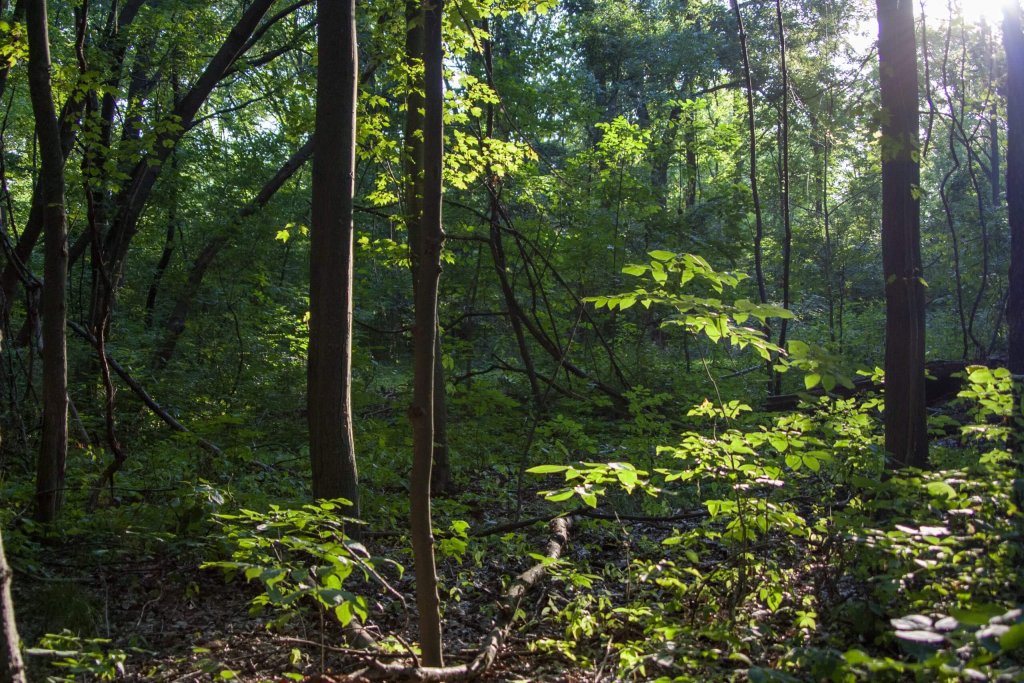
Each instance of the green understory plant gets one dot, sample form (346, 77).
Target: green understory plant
(300, 556)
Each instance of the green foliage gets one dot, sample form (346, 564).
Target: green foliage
(300, 555)
(74, 656)
(670, 274)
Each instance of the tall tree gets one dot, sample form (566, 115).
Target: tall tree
(54, 448)
(329, 380)
(906, 433)
(412, 171)
(1013, 41)
(421, 410)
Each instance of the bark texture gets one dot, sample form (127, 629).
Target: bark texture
(331, 447)
(54, 448)
(421, 410)
(906, 434)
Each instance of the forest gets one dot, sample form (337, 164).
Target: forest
(511, 340)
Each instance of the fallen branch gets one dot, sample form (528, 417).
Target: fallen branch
(492, 645)
(141, 392)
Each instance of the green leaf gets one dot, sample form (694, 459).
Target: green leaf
(941, 489)
(1012, 639)
(547, 469)
(661, 255)
(811, 380)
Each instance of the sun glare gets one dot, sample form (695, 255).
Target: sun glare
(974, 11)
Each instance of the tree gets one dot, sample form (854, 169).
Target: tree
(12, 669)
(412, 171)
(1013, 42)
(421, 410)
(906, 433)
(54, 448)
(329, 379)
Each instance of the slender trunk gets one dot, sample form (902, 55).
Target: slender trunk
(954, 238)
(1013, 42)
(422, 407)
(12, 668)
(413, 189)
(54, 449)
(331, 447)
(906, 433)
(787, 239)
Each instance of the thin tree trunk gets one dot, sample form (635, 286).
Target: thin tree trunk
(906, 433)
(54, 449)
(752, 134)
(422, 407)
(787, 239)
(12, 668)
(413, 186)
(331, 447)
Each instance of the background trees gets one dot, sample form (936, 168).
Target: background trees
(635, 154)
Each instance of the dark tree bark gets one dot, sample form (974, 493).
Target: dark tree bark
(1013, 42)
(421, 409)
(906, 434)
(440, 473)
(54, 448)
(329, 381)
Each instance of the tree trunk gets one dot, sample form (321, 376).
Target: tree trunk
(54, 449)
(787, 227)
(12, 669)
(752, 133)
(906, 434)
(440, 473)
(421, 410)
(1013, 42)
(331, 446)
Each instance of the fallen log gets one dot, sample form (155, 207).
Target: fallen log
(941, 385)
(509, 606)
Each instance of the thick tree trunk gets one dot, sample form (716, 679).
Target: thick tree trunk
(1013, 41)
(54, 449)
(906, 433)
(331, 446)
(421, 410)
